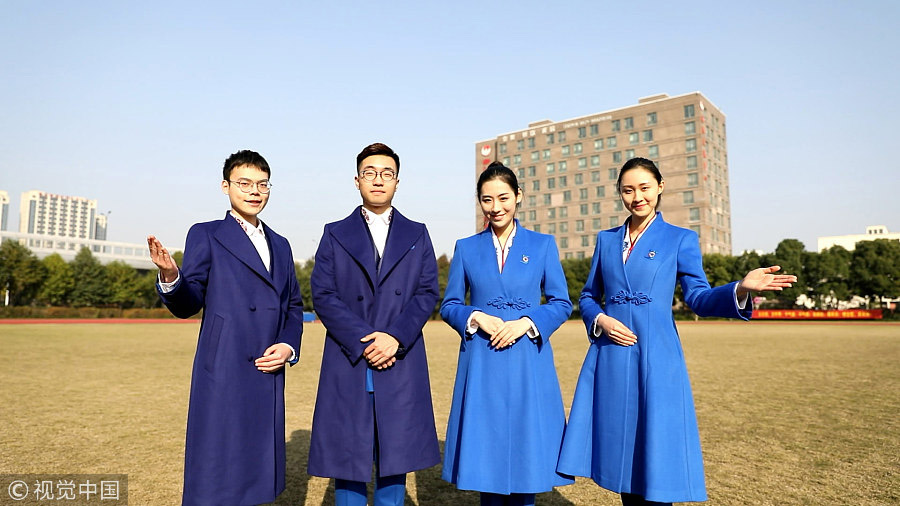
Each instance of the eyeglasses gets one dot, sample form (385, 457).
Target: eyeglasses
(246, 185)
(371, 174)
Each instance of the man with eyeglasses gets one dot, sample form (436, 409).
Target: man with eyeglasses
(241, 274)
(374, 285)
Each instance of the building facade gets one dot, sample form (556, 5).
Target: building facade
(44, 213)
(568, 169)
(849, 241)
(4, 210)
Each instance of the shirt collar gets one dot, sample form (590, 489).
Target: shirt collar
(249, 229)
(509, 240)
(383, 218)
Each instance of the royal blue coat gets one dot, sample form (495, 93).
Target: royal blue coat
(632, 426)
(353, 299)
(507, 417)
(234, 450)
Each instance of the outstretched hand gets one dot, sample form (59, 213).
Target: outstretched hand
(763, 280)
(168, 270)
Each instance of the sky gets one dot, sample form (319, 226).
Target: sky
(137, 104)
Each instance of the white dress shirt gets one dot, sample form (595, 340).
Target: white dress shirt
(379, 225)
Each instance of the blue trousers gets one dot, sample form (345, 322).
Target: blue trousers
(489, 499)
(389, 490)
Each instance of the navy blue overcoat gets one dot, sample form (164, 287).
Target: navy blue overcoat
(354, 299)
(234, 450)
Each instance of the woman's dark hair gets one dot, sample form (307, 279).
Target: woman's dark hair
(640, 163)
(497, 170)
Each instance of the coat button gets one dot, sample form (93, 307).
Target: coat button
(249, 358)
(252, 308)
(359, 297)
(397, 291)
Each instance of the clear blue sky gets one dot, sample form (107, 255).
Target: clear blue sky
(136, 104)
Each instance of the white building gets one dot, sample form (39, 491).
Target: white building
(44, 213)
(4, 209)
(849, 241)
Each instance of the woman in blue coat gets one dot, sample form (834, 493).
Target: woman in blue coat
(632, 426)
(507, 418)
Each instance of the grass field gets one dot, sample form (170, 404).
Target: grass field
(789, 413)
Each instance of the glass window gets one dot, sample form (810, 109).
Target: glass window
(531, 171)
(689, 111)
(690, 145)
(611, 142)
(693, 179)
(653, 152)
(629, 123)
(596, 224)
(550, 138)
(563, 212)
(617, 157)
(616, 125)
(547, 199)
(648, 135)
(564, 243)
(550, 168)
(585, 240)
(579, 178)
(537, 228)
(562, 166)
(601, 191)
(579, 254)
(565, 150)
(595, 129)
(595, 160)
(532, 201)
(582, 132)
(567, 195)
(535, 156)
(692, 162)
(578, 148)
(546, 154)
(551, 228)
(613, 221)
(618, 206)
(506, 161)
(532, 215)
(598, 144)
(582, 193)
(579, 224)
(688, 197)
(551, 213)
(694, 214)
(517, 159)
(651, 118)
(612, 174)
(531, 142)
(563, 226)
(633, 138)
(520, 144)
(561, 136)
(690, 128)
(503, 148)
(520, 173)
(551, 183)
(595, 176)
(562, 181)
(595, 208)
(582, 163)
(583, 209)
(629, 154)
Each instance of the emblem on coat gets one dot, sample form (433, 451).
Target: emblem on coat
(651, 254)
(524, 259)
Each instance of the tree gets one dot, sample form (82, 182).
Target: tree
(875, 270)
(58, 282)
(577, 271)
(20, 272)
(719, 268)
(827, 274)
(91, 287)
(304, 272)
(789, 254)
(443, 264)
(123, 284)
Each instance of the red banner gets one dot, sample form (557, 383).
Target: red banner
(817, 314)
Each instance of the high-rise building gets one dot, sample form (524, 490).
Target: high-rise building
(4, 209)
(568, 169)
(58, 215)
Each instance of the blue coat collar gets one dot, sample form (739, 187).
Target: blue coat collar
(233, 238)
(353, 235)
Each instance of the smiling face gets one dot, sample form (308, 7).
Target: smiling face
(246, 205)
(498, 203)
(640, 193)
(378, 193)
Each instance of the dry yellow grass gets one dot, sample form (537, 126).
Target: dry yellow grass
(788, 413)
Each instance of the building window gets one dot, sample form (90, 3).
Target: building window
(563, 212)
(687, 197)
(565, 150)
(595, 160)
(551, 213)
(536, 185)
(551, 183)
(561, 136)
(585, 240)
(595, 208)
(537, 228)
(582, 163)
(517, 159)
(690, 128)
(547, 198)
(690, 145)
(598, 144)
(579, 224)
(693, 179)
(546, 154)
(578, 148)
(582, 132)
(633, 138)
(617, 157)
(692, 162)
(595, 129)
(694, 214)
(535, 156)
(562, 181)
(653, 152)
(550, 168)
(601, 191)
(531, 142)
(696, 228)
(567, 195)
(595, 176)
(689, 111)
(563, 166)
(596, 224)
(532, 201)
(582, 193)
(551, 228)
(532, 215)
(579, 178)
(629, 123)
(611, 142)
(503, 148)
(531, 171)
(612, 174)
(564, 243)
(648, 135)
(506, 161)
(520, 144)
(651, 118)
(550, 138)
(520, 173)
(615, 125)
(618, 206)
(629, 154)
(613, 221)
(563, 226)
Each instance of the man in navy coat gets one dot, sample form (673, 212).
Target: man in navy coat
(241, 274)
(374, 286)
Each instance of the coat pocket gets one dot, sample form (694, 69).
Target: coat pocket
(212, 343)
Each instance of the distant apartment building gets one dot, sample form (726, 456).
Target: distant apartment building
(567, 170)
(4, 209)
(849, 241)
(60, 215)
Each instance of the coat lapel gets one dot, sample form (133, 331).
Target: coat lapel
(401, 239)
(642, 263)
(352, 234)
(233, 238)
(279, 258)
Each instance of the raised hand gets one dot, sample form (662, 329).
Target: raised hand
(616, 331)
(168, 270)
(764, 280)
